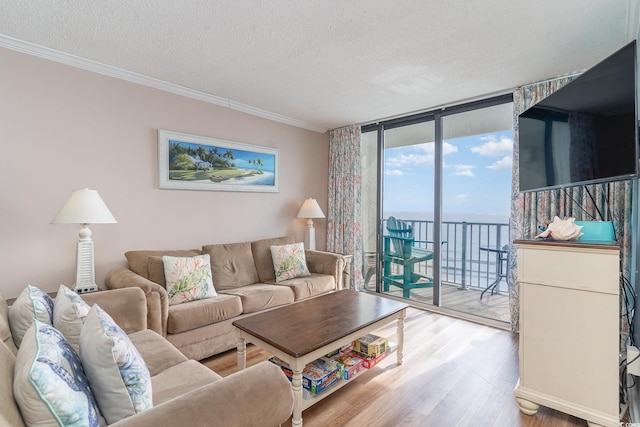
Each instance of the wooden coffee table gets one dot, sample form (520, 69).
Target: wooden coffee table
(300, 333)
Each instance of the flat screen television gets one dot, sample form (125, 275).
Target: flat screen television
(585, 132)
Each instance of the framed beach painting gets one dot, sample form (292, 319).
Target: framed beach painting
(190, 162)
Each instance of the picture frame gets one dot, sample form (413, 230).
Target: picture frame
(191, 162)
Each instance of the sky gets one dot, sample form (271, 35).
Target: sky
(476, 176)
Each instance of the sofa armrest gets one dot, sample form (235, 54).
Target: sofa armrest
(156, 295)
(326, 263)
(260, 395)
(127, 307)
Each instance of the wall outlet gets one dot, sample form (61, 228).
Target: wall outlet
(633, 360)
(93, 288)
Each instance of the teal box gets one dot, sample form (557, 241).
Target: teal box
(601, 231)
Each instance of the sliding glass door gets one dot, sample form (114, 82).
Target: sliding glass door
(476, 188)
(436, 195)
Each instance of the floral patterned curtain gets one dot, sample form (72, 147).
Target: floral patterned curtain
(610, 201)
(343, 218)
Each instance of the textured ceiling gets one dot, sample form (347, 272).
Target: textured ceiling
(328, 63)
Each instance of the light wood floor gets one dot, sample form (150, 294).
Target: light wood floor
(455, 373)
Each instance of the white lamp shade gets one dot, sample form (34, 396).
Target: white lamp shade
(84, 207)
(310, 209)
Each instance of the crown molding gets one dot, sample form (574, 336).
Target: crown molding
(119, 73)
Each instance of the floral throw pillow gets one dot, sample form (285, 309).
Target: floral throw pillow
(289, 261)
(188, 278)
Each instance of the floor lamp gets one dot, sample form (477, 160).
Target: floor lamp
(310, 209)
(84, 207)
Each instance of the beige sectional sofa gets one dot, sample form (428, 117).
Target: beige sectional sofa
(185, 392)
(244, 278)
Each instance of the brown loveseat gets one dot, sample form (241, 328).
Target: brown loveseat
(185, 392)
(244, 278)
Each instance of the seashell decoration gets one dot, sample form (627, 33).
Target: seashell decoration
(562, 229)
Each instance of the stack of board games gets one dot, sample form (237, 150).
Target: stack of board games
(371, 349)
(316, 376)
(349, 366)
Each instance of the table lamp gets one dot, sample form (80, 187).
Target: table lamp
(309, 210)
(84, 207)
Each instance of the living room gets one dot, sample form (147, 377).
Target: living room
(72, 121)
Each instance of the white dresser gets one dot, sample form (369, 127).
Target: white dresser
(569, 329)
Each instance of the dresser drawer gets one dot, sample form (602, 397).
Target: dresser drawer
(587, 269)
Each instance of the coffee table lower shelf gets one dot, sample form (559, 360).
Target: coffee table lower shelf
(298, 363)
(307, 403)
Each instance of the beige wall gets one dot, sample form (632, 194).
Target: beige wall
(64, 128)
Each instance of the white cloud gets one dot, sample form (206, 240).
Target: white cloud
(393, 172)
(447, 148)
(463, 170)
(409, 159)
(461, 197)
(420, 154)
(505, 163)
(494, 148)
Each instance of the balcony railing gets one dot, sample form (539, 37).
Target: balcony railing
(466, 262)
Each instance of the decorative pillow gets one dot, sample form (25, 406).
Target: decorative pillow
(289, 261)
(118, 375)
(5, 329)
(31, 304)
(188, 278)
(69, 310)
(49, 383)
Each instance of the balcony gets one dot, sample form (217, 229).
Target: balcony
(470, 263)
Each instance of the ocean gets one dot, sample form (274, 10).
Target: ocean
(449, 217)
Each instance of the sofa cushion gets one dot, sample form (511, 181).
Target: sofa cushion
(9, 412)
(5, 330)
(262, 296)
(188, 278)
(31, 304)
(139, 262)
(206, 341)
(50, 385)
(261, 250)
(156, 351)
(184, 317)
(181, 379)
(156, 270)
(315, 284)
(69, 310)
(231, 265)
(289, 261)
(116, 371)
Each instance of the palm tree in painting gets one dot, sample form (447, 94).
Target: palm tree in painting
(201, 152)
(228, 155)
